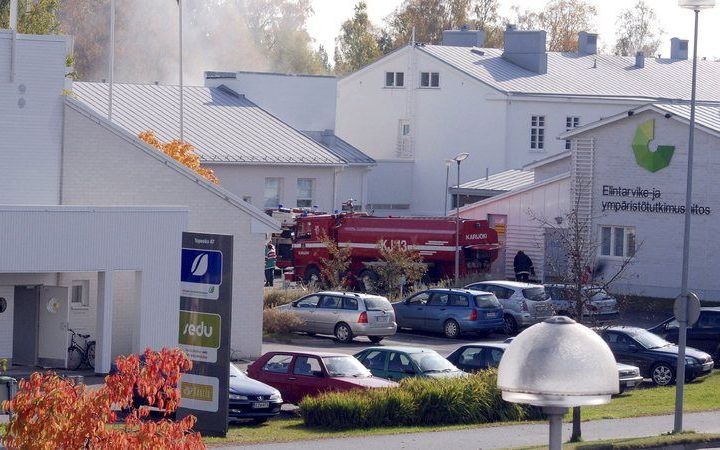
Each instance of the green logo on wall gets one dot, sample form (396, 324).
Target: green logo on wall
(199, 329)
(647, 159)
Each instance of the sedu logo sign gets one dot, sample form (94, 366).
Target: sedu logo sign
(646, 158)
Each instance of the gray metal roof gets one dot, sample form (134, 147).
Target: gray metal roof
(224, 126)
(501, 182)
(571, 74)
(706, 116)
(341, 148)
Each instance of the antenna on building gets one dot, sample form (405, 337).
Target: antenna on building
(111, 59)
(594, 63)
(487, 173)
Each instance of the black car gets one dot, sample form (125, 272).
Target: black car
(251, 399)
(656, 357)
(704, 335)
(480, 356)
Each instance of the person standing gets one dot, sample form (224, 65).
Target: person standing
(523, 266)
(270, 260)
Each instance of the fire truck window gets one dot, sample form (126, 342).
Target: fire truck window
(350, 303)
(419, 299)
(438, 300)
(330, 302)
(309, 302)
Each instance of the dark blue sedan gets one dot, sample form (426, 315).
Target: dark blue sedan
(451, 312)
(251, 399)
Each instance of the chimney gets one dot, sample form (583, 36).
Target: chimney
(640, 60)
(678, 49)
(587, 43)
(526, 49)
(464, 37)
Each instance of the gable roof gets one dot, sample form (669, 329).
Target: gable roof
(224, 127)
(572, 74)
(172, 164)
(497, 183)
(707, 117)
(340, 147)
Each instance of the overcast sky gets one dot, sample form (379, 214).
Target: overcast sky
(324, 26)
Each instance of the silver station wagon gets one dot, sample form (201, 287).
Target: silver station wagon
(345, 315)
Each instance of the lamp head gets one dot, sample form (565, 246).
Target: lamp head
(696, 5)
(461, 157)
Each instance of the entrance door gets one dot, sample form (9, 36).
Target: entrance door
(25, 319)
(53, 336)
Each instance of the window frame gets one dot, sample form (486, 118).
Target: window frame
(84, 302)
(304, 198)
(429, 80)
(629, 235)
(395, 77)
(538, 124)
(287, 365)
(267, 203)
(571, 122)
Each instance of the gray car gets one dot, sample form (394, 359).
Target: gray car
(524, 304)
(345, 315)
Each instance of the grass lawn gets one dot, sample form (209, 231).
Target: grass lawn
(640, 443)
(700, 395)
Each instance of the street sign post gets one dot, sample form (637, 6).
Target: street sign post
(687, 312)
(204, 329)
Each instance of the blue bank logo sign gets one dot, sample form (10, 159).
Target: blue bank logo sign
(200, 273)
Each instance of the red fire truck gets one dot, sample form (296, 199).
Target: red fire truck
(300, 245)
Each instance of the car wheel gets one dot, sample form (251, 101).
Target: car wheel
(375, 339)
(451, 329)
(259, 420)
(343, 333)
(662, 374)
(510, 326)
(311, 276)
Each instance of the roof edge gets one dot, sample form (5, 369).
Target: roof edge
(547, 160)
(224, 194)
(223, 74)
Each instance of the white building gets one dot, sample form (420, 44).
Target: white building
(92, 220)
(422, 104)
(306, 103)
(629, 170)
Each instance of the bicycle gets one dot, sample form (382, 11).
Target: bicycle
(79, 355)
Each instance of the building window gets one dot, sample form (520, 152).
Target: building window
(305, 189)
(394, 79)
(404, 140)
(79, 294)
(273, 186)
(570, 123)
(405, 129)
(617, 241)
(537, 133)
(429, 79)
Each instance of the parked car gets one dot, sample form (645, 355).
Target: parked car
(450, 311)
(251, 399)
(345, 315)
(703, 335)
(524, 304)
(656, 357)
(598, 304)
(486, 355)
(300, 374)
(396, 363)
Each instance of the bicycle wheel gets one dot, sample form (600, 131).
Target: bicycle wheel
(75, 358)
(91, 355)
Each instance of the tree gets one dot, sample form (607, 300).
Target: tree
(181, 152)
(428, 18)
(638, 30)
(357, 45)
(335, 267)
(51, 412)
(486, 17)
(576, 265)
(34, 17)
(399, 265)
(562, 20)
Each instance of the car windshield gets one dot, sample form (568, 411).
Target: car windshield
(535, 293)
(486, 301)
(377, 304)
(345, 366)
(649, 340)
(235, 372)
(432, 362)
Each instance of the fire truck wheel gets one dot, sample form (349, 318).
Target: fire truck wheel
(312, 275)
(510, 326)
(451, 329)
(343, 333)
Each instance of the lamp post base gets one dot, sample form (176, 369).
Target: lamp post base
(556, 415)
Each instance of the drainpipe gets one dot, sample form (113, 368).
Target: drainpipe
(13, 45)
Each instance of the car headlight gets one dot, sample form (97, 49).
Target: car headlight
(237, 397)
(275, 396)
(690, 361)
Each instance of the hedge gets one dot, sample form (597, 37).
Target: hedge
(417, 401)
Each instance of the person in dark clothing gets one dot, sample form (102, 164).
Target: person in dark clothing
(523, 266)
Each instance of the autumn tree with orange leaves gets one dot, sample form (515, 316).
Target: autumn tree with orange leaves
(180, 151)
(51, 412)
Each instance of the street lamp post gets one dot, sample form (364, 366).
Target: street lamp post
(448, 163)
(458, 159)
(696, 6)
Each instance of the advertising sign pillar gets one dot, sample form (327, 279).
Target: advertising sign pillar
(204, 332)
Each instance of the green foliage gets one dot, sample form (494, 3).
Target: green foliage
(398, 266)
(279, 297)
(357, 45)
(638, 30)
(417, 401)
(276, 321)
(34, 17)
(335, 267)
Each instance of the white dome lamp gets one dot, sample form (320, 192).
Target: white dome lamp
(558, 364)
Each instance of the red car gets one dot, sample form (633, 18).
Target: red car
(300, 374)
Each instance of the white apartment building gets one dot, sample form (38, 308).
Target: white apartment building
(423, 104)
